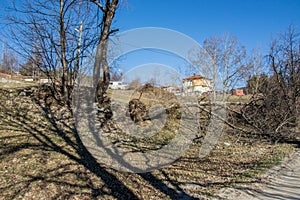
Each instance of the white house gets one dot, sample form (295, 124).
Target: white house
(117, 85)
(173, 89)
(196, 84)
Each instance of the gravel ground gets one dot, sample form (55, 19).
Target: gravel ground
(280, 182)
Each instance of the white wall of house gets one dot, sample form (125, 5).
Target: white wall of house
(177, 90)
(28, 79)
(44, 80)
(189, 88)
(117, 85)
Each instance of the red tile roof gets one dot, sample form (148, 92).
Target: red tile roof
(195, 76)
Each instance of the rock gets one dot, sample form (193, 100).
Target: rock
(23, 93)
(227, 144)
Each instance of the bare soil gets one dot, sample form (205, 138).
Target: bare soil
(42, 158)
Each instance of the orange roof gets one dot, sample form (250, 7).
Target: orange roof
(195, 76)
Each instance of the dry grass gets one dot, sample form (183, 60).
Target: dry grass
(242, 99)
(16, 85)
(42, 159)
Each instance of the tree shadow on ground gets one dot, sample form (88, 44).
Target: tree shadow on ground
(41, 128)
(39, 134)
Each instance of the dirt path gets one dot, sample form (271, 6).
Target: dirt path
(281, 182)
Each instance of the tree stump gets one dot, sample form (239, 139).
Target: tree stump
(137, 111)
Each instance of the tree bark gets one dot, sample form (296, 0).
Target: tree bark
(101, 81)
(77, 58)
(64, 61)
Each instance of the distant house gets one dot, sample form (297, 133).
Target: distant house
(28, 78)
(172, 88)
(35, 79)
(117, 85)
(196, 84)
(237, 92)
(44, 80)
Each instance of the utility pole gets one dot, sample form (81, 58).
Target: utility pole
(121, 74)
(4, 57)
(2, 64)
(77, 59)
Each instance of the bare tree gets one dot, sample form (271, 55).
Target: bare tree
(101, 81)
(273, 109)
(9, 62)
(212, 47)
(62, 34)
(228, 59)
(256, 83)
(256, 72)
(227, 64)
(134, 83)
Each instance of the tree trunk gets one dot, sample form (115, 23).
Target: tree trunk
(64, 62)
(101, 81)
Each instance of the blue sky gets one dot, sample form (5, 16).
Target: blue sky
(253, 22)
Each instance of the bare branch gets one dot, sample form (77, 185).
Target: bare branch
(99, 5)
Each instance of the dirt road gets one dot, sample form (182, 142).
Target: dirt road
(281, 182)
